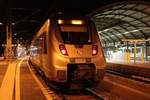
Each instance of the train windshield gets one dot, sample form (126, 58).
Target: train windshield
(75, 34)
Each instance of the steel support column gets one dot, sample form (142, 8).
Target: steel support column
(8, 40)
(134, 52)
(146, 51)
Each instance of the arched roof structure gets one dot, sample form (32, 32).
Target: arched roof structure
(124, 20)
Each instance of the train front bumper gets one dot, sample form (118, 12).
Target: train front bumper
(83, 73)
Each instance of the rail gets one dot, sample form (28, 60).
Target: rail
(130, 76)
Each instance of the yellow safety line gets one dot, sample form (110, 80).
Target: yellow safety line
(17, 81)
(44, 91)
(7, 87)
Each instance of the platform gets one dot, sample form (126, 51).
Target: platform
(3, 68)
(122, 61)
(18, 82)
(139, 68)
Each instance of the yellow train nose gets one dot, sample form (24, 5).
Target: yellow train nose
(61, 75)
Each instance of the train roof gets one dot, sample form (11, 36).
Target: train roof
(61, 15)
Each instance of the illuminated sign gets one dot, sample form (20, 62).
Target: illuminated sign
(75, 22)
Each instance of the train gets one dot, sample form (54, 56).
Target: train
(68, 50)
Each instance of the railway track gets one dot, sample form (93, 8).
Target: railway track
(74, 94)
(104, 92)
(67, 94)
(86, 94)
(98, 96)
(129, 76)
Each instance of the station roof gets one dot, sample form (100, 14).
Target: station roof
(27, 16)
(124, 20)
(115, 19)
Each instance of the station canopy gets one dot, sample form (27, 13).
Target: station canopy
(125, 20)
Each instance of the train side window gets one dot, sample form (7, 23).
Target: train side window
(41, 44)
(44, 43)
(37, 46)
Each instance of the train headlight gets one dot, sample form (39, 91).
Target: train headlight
(63, 50)
(94, 50)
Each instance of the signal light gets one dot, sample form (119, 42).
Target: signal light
(63, 50)
(94, 50)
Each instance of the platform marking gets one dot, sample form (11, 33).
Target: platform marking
(7, 87)
(44, 91)
(17, 80)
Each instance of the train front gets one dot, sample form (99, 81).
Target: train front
(78, 56)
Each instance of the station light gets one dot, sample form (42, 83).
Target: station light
(134, 40)
(12, 23)
(15, 34)
(1, 23)
(60, 21)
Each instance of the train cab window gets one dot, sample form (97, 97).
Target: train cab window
(75, 33)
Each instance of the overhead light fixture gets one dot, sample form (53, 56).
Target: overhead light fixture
(135, 30)
(1, 23)
(12, 23)
(148, 39)
(106, 30)
(126, 32)
(60, 21)
(15, 34)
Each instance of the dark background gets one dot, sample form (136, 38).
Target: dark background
(28, 15)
